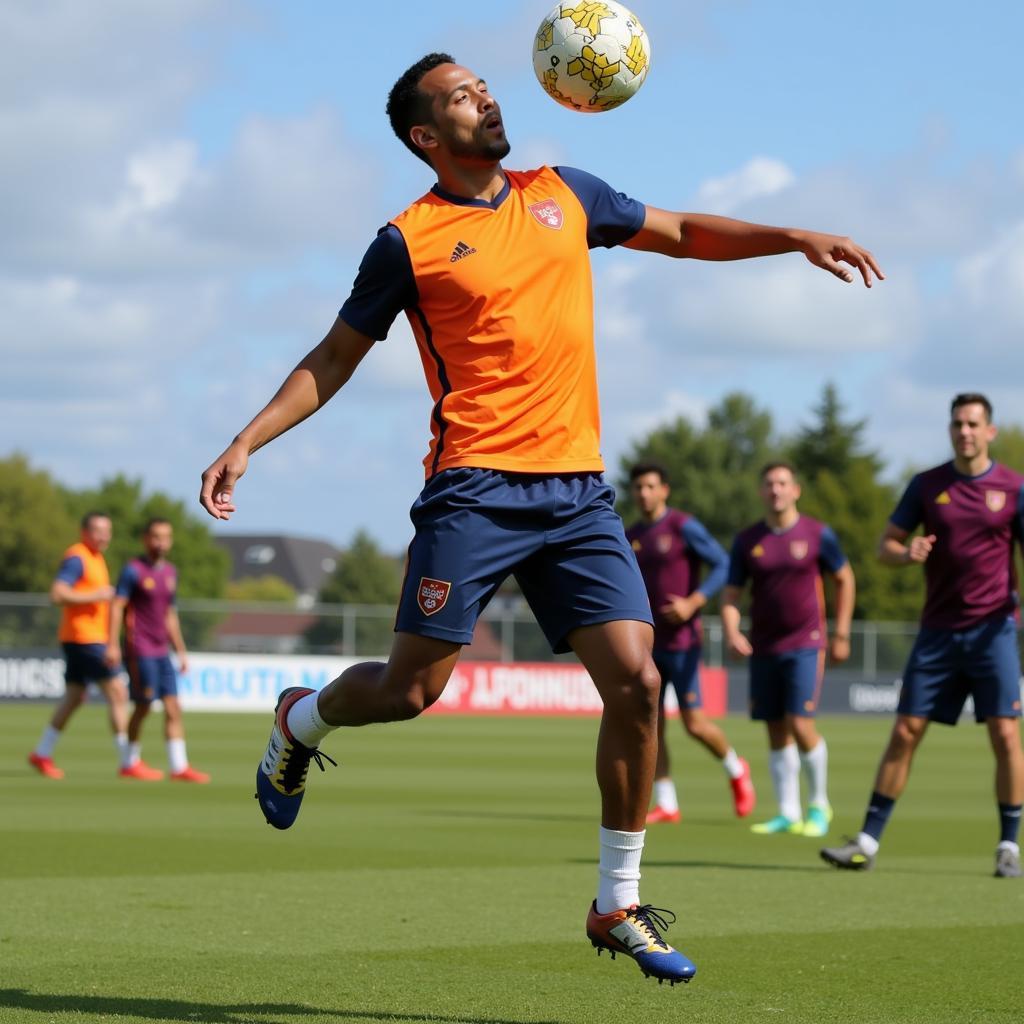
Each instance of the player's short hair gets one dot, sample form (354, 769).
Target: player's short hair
(778, 464)
(408, 106)
(86, 521)
(972, 398)
(156, 521)
(643, 468)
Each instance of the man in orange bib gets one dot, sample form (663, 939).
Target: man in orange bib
(83, 591)
(491, 268)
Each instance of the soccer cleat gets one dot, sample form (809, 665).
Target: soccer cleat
(1007, 862)
(45, 766)
(634, 932)
(658, 815)
(744, 799)
(819, 817)
(776, 825)
(281, 775)
(141, 771)
(189, 774)
(851, 856)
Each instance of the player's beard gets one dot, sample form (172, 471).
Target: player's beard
(481, 147)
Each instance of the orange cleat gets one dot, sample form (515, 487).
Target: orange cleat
(141, 771)
(45, 766)
(743, 796)
(658, 815)
(189, 774)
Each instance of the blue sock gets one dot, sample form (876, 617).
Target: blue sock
(1009, 822)
(879, 809)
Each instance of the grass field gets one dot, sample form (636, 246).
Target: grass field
(443, 873)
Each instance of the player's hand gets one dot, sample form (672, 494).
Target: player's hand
(219, 479)
(830, 252)
(112, 655)
(839, 649)
(679, 609)
(103, 594)
(920, 548)
(739, 645)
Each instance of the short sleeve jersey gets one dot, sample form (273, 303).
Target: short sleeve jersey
(787, 610)
(500, 300)
(671, 552)
(149, 590)
(969, 574)
(84, 570)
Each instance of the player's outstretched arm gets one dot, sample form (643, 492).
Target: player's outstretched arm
(703, 236)
(312, 383)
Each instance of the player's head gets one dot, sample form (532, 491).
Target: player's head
(971, 429)
(780, 489)
(442, 111)
(648, 483)
(157, 537)
(96, 530)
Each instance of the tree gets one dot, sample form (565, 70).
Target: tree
(1008, 447)
(261, 588)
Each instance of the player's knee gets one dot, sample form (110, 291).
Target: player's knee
(905, 736)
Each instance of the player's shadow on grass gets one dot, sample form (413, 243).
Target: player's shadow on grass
(212, 1013)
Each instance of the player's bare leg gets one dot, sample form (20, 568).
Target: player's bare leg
(712, 737)
(1004, 735)
(174, 736)
(666, 802)
(136, 767)
(42, 757)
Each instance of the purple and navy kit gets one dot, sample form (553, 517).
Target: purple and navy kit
(785, 567)
(969, 573)
(385, 284)
(149, 590)
(670, 553)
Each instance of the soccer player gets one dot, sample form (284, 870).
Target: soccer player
(785, 557)
(144, 603)
(82, 589)
(971, 511)
(671, 547)
(491, 268)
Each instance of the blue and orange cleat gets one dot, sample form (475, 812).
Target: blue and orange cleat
(634, 932)
(281, 776)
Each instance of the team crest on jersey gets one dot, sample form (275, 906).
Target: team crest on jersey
(148, 583)
(995, 500)
(943, 499)
(548, 213)
(798, 549)
(432, 595)
(665, 543)
(756, 551)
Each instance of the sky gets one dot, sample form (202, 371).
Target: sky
(187, 188)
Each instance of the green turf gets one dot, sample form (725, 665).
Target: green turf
(443, 872)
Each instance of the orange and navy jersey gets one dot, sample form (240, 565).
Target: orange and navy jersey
(82, 569)
(499, 297)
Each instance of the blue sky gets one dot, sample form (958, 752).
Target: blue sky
(188, 187)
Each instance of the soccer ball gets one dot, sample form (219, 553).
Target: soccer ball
(591, 55)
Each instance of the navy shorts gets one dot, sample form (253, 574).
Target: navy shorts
(558, 535)
(681, 671)
(788, 683)
(946, 666)
(151, 678)
(84, 663)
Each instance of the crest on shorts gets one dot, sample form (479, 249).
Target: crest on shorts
(432, 595)
(548, 213)
(995, 500)
(798, 549)
(665, 543)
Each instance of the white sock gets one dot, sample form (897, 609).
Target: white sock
(815, 766)
(732, 764)
(176, 756)
(619, 870)
(665, 795)
(784, 765)
(134, 752)
(44, 748)
(869, 844)
(305, 723)
(123, 749)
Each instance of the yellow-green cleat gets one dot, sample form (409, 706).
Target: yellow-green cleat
(850, 857)
(778, 825)
(819, 817)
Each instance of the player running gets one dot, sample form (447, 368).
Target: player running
(971, 511)
(83, 591)
(144, 603)
(491, 268)
(785, 557)
(671, 547)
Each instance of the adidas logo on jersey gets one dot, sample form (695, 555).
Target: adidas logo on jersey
(460, 250)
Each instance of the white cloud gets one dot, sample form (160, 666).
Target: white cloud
(761, 176)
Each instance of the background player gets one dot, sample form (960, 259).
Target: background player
(671, 546)
(144, 602)
(784, 556)
(971, 510)
(82, 589)
(491, 267)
